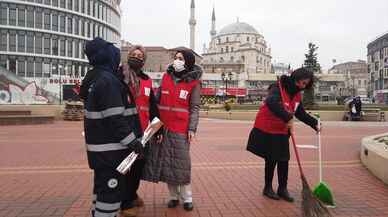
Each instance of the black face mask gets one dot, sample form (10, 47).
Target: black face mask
(135, 63)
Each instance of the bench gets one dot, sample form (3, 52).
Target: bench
(374, 114)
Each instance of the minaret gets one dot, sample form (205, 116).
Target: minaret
(192, 23)
(213, 31)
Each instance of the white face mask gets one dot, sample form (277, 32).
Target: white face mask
(178, 65)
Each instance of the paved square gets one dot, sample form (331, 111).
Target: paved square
(43, 172)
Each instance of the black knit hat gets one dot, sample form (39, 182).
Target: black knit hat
(189, 57)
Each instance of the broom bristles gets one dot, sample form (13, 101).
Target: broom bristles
(311, 206)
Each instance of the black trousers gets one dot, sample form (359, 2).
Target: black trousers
(133, 182)
(282, 173)
(113, 191)
(107, 192)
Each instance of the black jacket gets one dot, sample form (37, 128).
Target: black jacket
(275, 104)
(111, 122)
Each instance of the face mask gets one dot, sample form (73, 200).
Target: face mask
(135, 63)
(178, 65)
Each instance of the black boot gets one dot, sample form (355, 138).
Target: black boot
(188, 206)
(269, 170)
(172, 203)
(283, 178)
(268, 192)
(285, 195)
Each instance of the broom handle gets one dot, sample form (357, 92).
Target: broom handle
(296, 154)
(292, 133)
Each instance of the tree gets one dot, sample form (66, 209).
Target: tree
(311, 63)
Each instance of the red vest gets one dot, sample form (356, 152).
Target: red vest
(269, 123)
(143, 102)
(174, 106)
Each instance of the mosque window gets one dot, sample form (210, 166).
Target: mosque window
(219, 41)
(227, 39)
(222, 50)
(248, 38)
(227, 49)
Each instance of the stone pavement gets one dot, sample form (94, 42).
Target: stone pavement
(43, 172)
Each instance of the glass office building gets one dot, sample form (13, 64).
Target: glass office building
(43, 40)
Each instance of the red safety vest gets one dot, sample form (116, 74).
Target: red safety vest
(174, 106)
(143, 102)
(269, 123)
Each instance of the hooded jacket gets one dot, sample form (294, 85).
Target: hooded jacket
(111, 123)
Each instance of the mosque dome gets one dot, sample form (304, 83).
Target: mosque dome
(238, 28)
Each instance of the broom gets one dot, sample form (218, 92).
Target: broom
(311, 206)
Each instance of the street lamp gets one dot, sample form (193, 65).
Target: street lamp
(226, 77)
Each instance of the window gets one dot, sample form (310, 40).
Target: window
(55, 46)
(21, 17)
(222, 50)
(88, 6)
(76, 5)
(38, 22)
(82, 28)
(83, 6)
(55, 69)
(47, 45)
(30, 44)
(21, 43)
(3, 45)
(70, 4)
(55, 22)
(247, 38)
(76, 49)
(47, 24)
(12, 16)
(62, 47)
(38, 44)
(76, 26)
(38, 69)
(231, 49)
(70, 25)
(3, 15)
(47, 2)
(30, 18)
(39, 1)
(69, 48)
(62, 3)
(21, 68)
(12, 65)
(30, 67)
(227, 49)
(12, 42)
(46, 69)
(55, 3)
(227, 39)
(88, 30)
(62, 23)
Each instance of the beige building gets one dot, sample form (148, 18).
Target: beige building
(356, 77)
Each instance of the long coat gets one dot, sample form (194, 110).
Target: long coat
(170, 161)
(276, 146)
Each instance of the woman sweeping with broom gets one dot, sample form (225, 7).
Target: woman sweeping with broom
(270, 135)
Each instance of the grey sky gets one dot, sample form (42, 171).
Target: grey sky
(341, 28)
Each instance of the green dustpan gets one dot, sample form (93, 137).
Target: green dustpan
(322, 190)
(323, 193)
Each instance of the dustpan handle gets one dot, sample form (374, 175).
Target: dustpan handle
(319, 149)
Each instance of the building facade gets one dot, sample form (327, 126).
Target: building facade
(378, 68)
(356, 77)
(42, 41)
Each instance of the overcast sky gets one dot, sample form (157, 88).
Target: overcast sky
(341, 28)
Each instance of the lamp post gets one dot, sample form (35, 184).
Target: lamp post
(226, 77)
(60, 83)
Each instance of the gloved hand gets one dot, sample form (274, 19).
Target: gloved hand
(137, 147)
